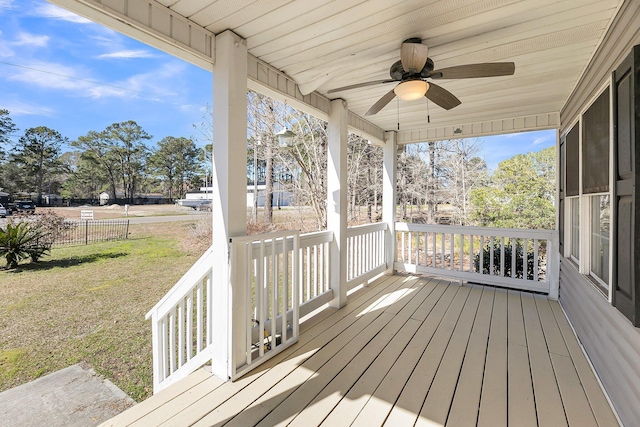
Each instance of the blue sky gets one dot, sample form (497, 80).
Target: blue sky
(65, 72)
(62, 71)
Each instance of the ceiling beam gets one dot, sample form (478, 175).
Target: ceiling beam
(486, 128)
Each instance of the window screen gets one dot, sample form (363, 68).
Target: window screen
(595, 146)
(572, 173)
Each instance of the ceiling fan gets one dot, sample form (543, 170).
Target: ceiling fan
(414, 68)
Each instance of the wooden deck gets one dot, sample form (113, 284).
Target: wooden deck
(406, 350)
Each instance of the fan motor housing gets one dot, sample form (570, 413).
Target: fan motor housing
(397, 71)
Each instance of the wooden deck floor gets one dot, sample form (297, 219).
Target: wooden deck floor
(405, 351)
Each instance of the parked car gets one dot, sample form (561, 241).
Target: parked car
(26, 206)
(3, 211)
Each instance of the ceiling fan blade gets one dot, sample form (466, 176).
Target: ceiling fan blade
(413, 56)
(442, 97)
(487, 69)
(381, 103)
(357, 85)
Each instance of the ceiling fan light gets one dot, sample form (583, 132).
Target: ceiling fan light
(411, 90)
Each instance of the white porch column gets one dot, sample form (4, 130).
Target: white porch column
(390, 160)
(229, 211)
(337, 200)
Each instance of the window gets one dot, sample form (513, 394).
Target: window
(584, 185)
(574, 206)
(600, 219)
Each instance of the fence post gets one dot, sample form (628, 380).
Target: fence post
(86, 232)
(126, 233)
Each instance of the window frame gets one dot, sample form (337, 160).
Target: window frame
(599, 281)
(583, 262)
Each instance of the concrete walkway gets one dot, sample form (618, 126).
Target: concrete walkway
(71, 397)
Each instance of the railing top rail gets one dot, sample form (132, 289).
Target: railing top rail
(477, 231)
(315, 238)
(185, 283)
(324, 233)
(265, 236)
(366, 228)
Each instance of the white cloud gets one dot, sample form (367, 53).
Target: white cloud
(540, 140)
(155, 86)
(5, 50)
(6, 5)
(48, 75)
(127, 54)
(19, 108)
(54, 12)
(26, 39)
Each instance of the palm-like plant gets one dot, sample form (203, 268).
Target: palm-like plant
(21, 241)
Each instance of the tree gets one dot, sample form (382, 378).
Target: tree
(175, 161)
(306, 164)
(125, 141)
(364, 177)
(521, 193)
(461, 171)
(82, 177)
(38, 152)
(119, 151)
(97, 155)
(412, 173)
(6, 128)
(265, 116)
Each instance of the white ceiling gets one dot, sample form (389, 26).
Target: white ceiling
(325, 44)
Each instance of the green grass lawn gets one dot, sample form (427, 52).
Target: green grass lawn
(87, 304)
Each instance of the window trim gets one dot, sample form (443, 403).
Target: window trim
(583, 265)
(599, 281)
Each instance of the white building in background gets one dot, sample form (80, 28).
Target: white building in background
(281, 197)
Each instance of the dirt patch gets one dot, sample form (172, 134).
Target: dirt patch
(118, 211)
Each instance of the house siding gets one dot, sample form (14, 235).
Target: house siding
(611, 342)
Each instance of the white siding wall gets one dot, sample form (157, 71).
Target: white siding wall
(612, 343)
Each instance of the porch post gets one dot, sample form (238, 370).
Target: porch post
(390, 160)
(229, 212)
(337, 200)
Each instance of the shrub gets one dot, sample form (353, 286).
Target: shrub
(508, 254)
(30, 237)
(20, 241)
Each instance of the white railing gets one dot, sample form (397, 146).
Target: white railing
(366, 252)
(266, 300)
(314, 271)
(514, 258)
(181, 325)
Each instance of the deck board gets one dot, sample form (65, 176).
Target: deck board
(440, 395)
(521, 403)
(598, 401)
(466, 401)
(493, 400)
(264, 398)
(356, 398)
(409, 404)
(548, 402)
(406, 350)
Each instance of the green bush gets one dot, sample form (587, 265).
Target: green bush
(20, 241)
(29, 237)
(508, 254)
